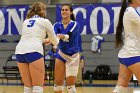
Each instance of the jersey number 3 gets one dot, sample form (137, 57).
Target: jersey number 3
(31, 23)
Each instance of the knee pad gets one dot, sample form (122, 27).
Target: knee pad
(37, 89)
(120, 89)
(27, 89)
(71, 89)
(58, 88)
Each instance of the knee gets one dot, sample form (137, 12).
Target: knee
(71, 80)
(123, 81)
(59, 82)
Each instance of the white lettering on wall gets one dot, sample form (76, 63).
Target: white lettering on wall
(116, 16)
(13, 15)
(2, 22)
(93, 20)
(76, 10)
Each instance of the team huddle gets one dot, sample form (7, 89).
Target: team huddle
(29, 51)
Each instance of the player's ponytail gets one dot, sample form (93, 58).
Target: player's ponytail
(120, 28)
(36, 9)
(72, 17)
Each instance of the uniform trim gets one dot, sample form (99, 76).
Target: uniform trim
(129, 61)
(28, 57)
(73, 27)
(58, 56)
(137, 12)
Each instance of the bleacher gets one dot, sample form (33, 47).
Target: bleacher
(7, 48)
(108, 55)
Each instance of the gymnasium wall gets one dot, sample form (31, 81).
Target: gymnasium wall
(108, 53)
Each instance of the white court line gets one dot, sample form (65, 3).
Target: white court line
(136, 90)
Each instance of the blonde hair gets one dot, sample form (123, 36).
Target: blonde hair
(36, 10)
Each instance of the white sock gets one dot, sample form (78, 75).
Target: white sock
(37, 89)
(120, 89)
(27, 89)
(71, 89)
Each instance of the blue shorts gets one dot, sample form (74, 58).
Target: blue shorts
(60, 57)
(129, 61)
(28, 57)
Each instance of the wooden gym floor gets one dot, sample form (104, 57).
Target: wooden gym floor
(98, 86)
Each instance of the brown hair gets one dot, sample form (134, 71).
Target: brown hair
(71, 9)
(120, 28)
(36, 10)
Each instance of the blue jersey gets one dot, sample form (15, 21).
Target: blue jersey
(70, 46)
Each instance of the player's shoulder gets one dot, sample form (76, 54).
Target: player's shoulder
(130, 10)
(44, 21)
(57, 23)
(38, 18)
(74, 22)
